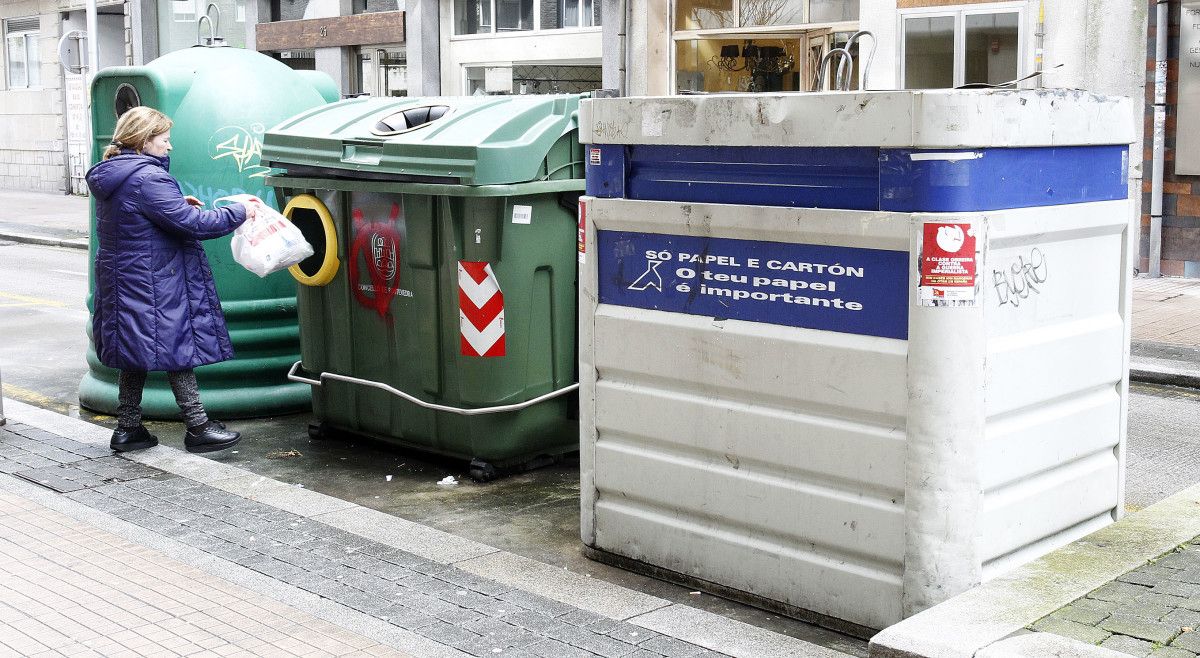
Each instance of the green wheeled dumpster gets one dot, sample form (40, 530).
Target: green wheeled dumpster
(439, 310)
(221, 100)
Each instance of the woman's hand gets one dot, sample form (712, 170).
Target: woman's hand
(193, 201)
(251, 210)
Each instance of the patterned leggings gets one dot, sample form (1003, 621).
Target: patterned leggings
(183, 384)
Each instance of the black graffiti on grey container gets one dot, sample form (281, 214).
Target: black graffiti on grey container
(1022, 279)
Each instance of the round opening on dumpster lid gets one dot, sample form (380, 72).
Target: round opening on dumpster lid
(126, 99)
(409, 119)
(311, 216)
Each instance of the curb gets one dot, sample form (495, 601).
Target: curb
(1002, 608)
(1165, 363)
(25, 238)
(1148, 375)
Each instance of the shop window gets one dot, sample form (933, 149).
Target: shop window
(950, 49)
(832, 11)
(725, 14)
(21, 50)
(771, 12)
(753, 65)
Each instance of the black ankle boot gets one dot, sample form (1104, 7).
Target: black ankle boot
(125, 439)
(210, 437)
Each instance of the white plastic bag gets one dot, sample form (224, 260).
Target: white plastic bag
(269, 242)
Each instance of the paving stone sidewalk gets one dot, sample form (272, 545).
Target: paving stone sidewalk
(70, 589)
(1153, 610)
(449, 606)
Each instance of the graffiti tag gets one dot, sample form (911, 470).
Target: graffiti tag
(378, 245)
(242, 147)
(1022, 279)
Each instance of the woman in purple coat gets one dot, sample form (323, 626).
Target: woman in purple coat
(155, 302)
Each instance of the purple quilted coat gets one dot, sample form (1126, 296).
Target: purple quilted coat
(155, 303)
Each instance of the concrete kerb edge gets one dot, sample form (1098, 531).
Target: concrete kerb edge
(260, 584)
(994, 611)
(1165, 363)
(25, 238)
(671, 619)
(1164, 376)
(1037, 645)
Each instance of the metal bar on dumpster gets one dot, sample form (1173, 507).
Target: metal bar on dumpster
(421, 403)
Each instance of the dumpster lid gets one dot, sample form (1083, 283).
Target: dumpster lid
(942, 118)
(471, 140)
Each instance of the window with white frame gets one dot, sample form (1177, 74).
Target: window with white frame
(492, 16)
(576, 13)
(21, 52)
(951, 47)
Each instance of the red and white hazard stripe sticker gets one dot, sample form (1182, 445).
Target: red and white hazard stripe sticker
(480, 310)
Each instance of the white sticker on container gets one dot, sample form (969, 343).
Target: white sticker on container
(595, 156)
(654, 120)
(522, 214)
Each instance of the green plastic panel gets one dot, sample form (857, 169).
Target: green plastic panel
(222, 101)
(414, 344)
(480, 140)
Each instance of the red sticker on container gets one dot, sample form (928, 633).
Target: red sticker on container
(948, 265)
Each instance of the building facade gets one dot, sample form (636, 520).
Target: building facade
(43, 109)
(1175, 242)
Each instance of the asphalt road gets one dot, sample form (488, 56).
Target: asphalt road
(42, 343)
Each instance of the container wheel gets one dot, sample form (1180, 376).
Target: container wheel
(319, 432)
(482, 471)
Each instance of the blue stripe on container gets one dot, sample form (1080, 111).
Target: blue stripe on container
(769, 176)
(1002, 178)
(607, 179)
(863, 178)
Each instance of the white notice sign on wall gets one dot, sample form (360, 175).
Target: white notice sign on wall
(1187, 130)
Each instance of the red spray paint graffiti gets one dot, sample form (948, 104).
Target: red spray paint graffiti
(378, 245)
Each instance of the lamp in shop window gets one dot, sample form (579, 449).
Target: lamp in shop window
(754, 58)
(728, 60)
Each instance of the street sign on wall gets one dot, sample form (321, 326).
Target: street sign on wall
(1187, 128)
